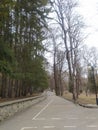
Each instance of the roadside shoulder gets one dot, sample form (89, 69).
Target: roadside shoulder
(83, 105)
(88, 105)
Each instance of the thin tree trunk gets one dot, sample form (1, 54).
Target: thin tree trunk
(3, 86)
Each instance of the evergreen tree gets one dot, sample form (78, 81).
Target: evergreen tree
(21, 49)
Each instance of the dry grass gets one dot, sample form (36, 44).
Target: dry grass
(67, 95)
(90, 99)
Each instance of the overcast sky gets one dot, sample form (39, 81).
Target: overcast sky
(89, 10)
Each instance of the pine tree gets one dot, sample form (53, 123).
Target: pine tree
(21, 56)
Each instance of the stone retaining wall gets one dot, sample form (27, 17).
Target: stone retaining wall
(9, 108)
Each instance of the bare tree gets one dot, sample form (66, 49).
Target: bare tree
(58, 60)
(60, 65)
(71, 25)
(91, 63)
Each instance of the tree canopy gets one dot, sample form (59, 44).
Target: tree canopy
(22, 25)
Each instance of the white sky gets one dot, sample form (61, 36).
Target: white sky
(89, 10)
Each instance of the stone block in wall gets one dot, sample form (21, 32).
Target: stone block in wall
(10, 108)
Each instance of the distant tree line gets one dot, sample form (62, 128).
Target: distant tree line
(22, 25)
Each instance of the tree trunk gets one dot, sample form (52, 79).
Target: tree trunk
(3, 86)
(10, 88)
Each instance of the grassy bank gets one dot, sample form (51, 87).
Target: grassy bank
(90, 99)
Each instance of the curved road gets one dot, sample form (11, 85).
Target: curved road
(54, 113)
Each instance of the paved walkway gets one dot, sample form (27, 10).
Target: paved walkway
(54, 113)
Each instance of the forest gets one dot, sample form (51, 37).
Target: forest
(42, 46)
(22, 61)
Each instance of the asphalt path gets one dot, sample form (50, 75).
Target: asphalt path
(54, 113)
